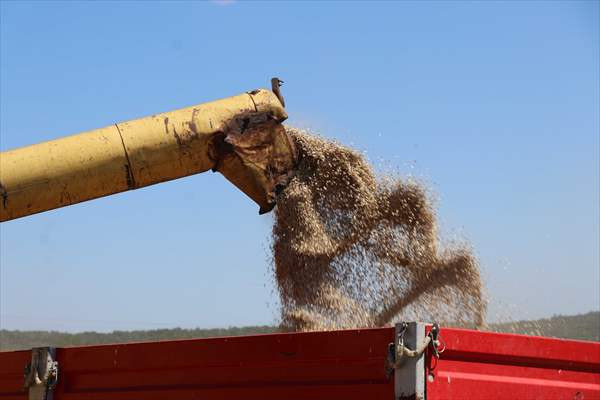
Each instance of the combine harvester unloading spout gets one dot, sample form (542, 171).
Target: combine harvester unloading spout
(240, 136)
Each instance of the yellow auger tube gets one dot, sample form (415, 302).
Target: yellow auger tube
(241, 137)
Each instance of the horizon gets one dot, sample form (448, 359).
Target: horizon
(267, 326)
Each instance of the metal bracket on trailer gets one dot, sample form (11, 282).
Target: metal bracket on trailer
(406, 358)
(41, 374)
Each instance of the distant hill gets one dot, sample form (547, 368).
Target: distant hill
(582, 326)
(13, 340)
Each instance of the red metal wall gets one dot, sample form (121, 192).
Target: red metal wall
(484, 365)
(319, 365)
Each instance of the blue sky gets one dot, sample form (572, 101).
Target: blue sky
(494, 104)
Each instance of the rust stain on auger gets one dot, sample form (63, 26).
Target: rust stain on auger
(240, 137)
(256, 154)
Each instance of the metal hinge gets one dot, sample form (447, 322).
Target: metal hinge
(405, 358)
(41, 374)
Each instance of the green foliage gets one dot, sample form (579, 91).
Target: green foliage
(14, 340)
(582, 326)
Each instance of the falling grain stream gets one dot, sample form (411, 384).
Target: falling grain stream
(354, 250)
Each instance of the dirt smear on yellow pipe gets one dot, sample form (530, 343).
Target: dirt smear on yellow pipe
(353, 250)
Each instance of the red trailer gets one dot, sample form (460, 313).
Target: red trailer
(383, 363)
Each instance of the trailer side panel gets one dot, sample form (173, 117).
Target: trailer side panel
(482, 365)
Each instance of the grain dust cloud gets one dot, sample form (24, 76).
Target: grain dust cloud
(353, 250)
